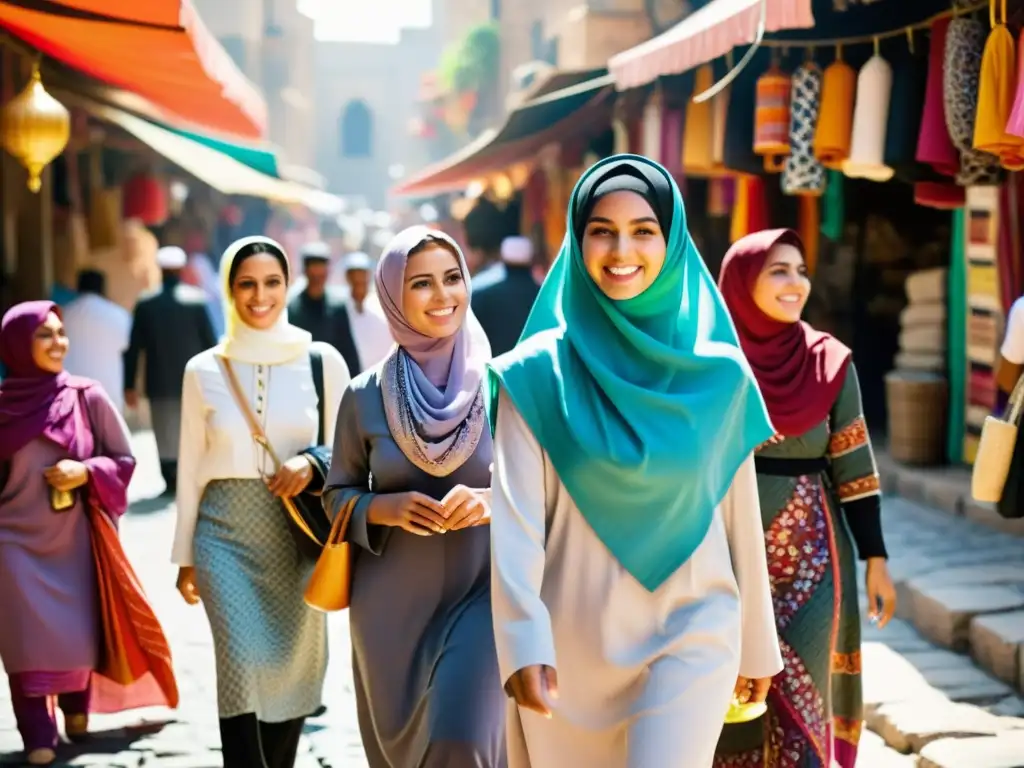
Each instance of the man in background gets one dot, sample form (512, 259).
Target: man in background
(170, 328)
(363, 326)
(98, 330)
(503, 306)
(313, 308)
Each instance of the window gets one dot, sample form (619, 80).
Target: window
(356, 130)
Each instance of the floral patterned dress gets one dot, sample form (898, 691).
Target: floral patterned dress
(819, 495)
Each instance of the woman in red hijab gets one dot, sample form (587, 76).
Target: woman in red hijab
(819, 494)
(76, 626)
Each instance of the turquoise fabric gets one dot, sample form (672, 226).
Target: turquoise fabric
(646, 407)
(259, 158)
(957, 333)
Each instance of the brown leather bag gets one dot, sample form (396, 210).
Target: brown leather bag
(329, 587)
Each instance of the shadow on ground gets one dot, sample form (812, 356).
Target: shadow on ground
(99, 743)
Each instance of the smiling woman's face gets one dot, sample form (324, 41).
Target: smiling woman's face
(260, 290)
(623, 245)
(434, 295)
(783, 286)
(50, 344)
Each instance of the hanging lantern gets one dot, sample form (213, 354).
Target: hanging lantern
(34, 128)
(145, 199)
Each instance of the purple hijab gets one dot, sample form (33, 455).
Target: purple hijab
(34, 402)
(432, 387)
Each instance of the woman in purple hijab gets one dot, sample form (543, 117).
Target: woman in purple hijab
(60, 439)
(413, 445)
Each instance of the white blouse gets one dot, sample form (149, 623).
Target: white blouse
(216, 443)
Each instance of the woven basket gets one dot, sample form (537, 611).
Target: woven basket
(917, 405)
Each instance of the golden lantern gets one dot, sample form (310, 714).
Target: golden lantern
(34, 128)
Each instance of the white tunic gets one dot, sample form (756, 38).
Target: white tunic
(99, 332)
(216, 443)
(645, 678)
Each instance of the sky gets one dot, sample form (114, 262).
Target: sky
(367, 21)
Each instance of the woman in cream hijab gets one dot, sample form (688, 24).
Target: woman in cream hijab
(232, 541)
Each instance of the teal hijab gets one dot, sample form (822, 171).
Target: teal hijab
(646, 407)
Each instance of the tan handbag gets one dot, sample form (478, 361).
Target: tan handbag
(330, 585)
(995, 450)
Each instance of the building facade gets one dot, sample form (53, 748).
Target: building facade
(273, 44)
(367, 95)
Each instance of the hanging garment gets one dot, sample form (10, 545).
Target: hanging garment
(961, 75)
(995, 95)
(719, 122)
(803, 174)
(671, 139)
(934, 145)
(835, 116)
(652, 127)
(870, 117)
(771, 118)
(906, 108)
(940, 195)
(698, 134)
(1015, 124)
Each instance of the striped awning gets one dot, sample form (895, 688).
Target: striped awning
(703, 36)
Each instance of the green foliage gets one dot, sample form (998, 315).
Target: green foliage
(473, 63)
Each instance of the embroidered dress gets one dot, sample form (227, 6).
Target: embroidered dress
(815, 490)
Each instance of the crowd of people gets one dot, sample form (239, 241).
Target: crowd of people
(611, 520)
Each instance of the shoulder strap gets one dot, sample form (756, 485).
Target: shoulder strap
(243, 405)
(316, 363)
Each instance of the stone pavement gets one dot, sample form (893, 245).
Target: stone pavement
(927, 706)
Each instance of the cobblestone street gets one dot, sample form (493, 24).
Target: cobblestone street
(922, 698)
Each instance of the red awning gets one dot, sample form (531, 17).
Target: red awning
(704, 35)
(159, 49)
(550, 118)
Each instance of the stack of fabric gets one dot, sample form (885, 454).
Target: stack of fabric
(923, 323)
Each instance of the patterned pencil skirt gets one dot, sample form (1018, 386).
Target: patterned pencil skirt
(271, 649)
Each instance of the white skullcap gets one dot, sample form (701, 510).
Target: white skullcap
(517, 250)
(357, 260)
(171, 257)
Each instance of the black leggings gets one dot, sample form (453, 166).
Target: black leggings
(250, 743)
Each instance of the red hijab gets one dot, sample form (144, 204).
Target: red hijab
(800, 370)
(34, 402)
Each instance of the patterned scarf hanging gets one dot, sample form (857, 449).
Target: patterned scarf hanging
(771, 118)
(803, 174)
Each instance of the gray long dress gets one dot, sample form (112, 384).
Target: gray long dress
(426, 674)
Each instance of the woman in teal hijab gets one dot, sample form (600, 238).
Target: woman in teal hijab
(630, 586)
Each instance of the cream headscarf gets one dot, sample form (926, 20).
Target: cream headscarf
(281, 343)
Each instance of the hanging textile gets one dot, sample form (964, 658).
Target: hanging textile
(1015, 125)
(870, 118)
(651, 130)
(803, 174)
(621, 133)
(720, 121)
(934, 146)
(699, 131)
(996, 92)
(771, 118)
(941, 195)
(835, 117)
(750, 211)
(833, 218)
(956, 337)
(671, 139)
(906, 108)
(965, 43)
(809, 218)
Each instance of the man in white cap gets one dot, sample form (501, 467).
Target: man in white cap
(364, 322)
(99, 332)
(502, 307)
(170, 327)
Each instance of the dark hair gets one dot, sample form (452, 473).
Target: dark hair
(91, 281)
(433, 241)
(246, 251)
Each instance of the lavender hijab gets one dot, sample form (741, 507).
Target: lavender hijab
(431, 387)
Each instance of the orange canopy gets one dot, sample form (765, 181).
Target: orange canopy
(159, 49)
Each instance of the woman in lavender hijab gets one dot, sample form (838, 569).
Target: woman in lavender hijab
(412, 443)
(56, 432)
